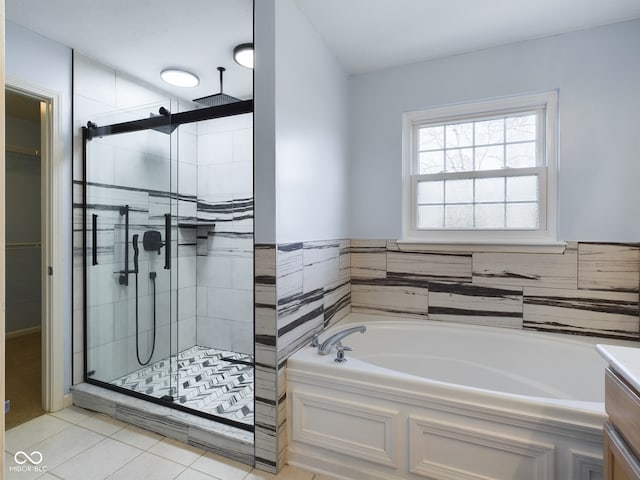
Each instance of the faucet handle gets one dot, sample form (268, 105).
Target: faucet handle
(342, 348)
(314, 341)
(340, 358)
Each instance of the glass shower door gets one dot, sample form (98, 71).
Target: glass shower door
(131, 337)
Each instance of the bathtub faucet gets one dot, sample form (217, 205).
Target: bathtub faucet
(325, 347)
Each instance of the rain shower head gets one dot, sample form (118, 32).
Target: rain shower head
(218, 98)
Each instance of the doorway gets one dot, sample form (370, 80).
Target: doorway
(24, 258)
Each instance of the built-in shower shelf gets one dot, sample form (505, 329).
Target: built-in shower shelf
(195, 224)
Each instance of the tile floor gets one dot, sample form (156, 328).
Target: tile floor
(79, 444)
(214, 381)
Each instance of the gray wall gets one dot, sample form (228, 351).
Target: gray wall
(302, 192)
(301, 102)
(596, 72)
(42, 62)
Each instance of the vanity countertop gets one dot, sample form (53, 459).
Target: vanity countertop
(624, 360)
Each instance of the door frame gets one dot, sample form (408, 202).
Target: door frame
(51, 234)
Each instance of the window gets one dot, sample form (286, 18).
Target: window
(481, 172)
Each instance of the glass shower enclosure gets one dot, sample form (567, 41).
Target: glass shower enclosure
(168, 257)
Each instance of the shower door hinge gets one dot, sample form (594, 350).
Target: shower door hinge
(50, 270)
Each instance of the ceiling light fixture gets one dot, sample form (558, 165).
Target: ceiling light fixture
(179, 78)
(243, 55)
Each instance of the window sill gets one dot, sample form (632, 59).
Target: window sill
(506, 247)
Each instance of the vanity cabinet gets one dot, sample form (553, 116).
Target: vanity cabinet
(622, 432)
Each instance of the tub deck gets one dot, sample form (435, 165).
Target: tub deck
(365, 420)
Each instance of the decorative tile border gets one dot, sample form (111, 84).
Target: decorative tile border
(389, 297)
(368, 259)
(608, 266)
(315, 293)
(587, 312)
(527, 269)
(476, 304)
(337, 302)
(266, 393)
(301, 288)
(439, 267)
(590, 289)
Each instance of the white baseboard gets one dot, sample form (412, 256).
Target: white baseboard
(67, 400)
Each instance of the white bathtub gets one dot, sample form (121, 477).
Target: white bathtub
(421, 399)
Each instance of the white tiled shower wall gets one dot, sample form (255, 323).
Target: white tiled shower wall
(140, 170)
(225, 251)
(143, 170)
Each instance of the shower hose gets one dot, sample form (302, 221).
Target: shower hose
(152, 276)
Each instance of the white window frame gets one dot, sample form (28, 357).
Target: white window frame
(545, 235)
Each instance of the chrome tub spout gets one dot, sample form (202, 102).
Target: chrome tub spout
(325, 347)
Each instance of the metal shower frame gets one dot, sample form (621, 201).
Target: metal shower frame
(91, 131)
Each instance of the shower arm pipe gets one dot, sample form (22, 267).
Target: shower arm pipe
(192, 116)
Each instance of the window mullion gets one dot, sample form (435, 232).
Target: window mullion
(504, 172)
(504, 202)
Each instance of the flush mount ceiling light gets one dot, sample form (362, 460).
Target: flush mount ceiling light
(243, 55)
(179, 78)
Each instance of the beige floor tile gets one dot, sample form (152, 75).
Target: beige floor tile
(138, 437)
(258, 475)
(32, 432)
(15, 471)
(287, 473)
(221, 467)
(294, 473)
(98, 462)
(176, 451)
(65, 445)
(73, 414)
(103, 424)
(190, 474)
(148, 467)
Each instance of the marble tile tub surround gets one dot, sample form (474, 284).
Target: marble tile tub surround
(590, 289)
(301, 288)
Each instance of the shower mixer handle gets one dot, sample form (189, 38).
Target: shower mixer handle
(136, 251)
(124, 277)
(167, 241)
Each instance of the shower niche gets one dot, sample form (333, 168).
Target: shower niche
(168, 257)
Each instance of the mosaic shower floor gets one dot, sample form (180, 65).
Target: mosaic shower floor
(213, 381)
